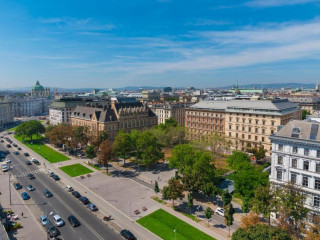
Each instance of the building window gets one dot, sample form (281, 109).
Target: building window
(293, 178)
(305, 181)
(279, 175)
(306, 152)
(262, 139)
(280, 160)
(294, 163)
(318, 167)
(306, 165)
(280, 147)
(316, 201)
(318, 153)
(295, 150)
(263, 131)
(317, 183)
(256, 130)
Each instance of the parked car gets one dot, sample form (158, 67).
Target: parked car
(8, 160)
(76, 194)
(69, 188)
(15, 145)
(92, 207)
(16, 153)
(73, 221)
(36, 162)
(2, 141)
(8, 146)
(17, 186)
(25, 196)
(53, 232)
(44, 220)
(84, 200)
(28, 162)
(56, 177)
(30, 187)
(7, 152)
(51, 174)
(58, 220)
(4, 167)
(127, 235)
(26, 154)
(31, 176)
(219, 211)
(47, 193)
(19, 148)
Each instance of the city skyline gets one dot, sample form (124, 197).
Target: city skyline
(159, 43)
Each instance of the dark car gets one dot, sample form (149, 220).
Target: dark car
(2, 141)
(84, 200)
(15, 145)
(7, 152)
(73, 221)
(76, 194)
(17, 186)
(31, 176)
(56, 177)
(26, 154)
(28, 162)
(127, 235)
(19, 148)
(8, 146)
(36, 162)
(16, 153)
(47, 193)
(53, 232)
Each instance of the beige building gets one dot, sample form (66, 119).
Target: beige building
(113, 117)
(150, 95)
(6, 112)
(247, 123)
(169, 110)
(309, 102)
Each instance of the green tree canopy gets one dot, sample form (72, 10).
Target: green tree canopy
(173, 191)
(90, 151)
(238, 161)
(260, 232)
(30, 128)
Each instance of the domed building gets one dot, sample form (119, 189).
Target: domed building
(39, 91)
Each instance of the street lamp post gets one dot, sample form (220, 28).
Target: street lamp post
(175, 234)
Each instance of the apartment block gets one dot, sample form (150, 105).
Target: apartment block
(169, 110)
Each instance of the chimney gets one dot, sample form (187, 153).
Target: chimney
(113, 103)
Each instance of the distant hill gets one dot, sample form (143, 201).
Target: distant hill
(277, 85)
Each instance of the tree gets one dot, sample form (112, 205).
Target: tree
(250, 220)
(262, 202)
(246, 205)
(148, 148)
(90, 152)
(173, 191)
(156, 187)
(122, 145)
(208, 213)
(195, 166)
(228, 215)
(208, 189)
(312, 231)
(226, 198)
(238, 161)
(305, 113)
(260, 232)
(81, 134)
(60, 134)
(29, 129)
(190, 202)
(105, 153)
(290, 206)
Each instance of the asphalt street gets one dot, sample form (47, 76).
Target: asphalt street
(62, 202)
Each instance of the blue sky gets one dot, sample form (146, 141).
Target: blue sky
(178, 43)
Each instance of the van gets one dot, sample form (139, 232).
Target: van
(69, 188)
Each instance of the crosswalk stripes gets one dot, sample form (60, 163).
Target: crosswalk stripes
(24, 174)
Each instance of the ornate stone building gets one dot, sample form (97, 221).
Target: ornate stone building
(169, 110)
(39, 91)
(248, 123)
(6, 114)
(296, 159)
(113, 117)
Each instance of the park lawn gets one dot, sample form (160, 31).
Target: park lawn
(12, 129)
(163, 224)
(46, 152)
(76, 170)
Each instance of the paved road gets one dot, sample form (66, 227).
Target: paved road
(62, 203)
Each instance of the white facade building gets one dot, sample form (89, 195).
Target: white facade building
(296, 159)
(167, 110)
(30, 106)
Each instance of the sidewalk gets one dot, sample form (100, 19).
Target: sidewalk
(31, 228)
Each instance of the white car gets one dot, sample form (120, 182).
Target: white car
(219, 211)
(69, 188)
(58, 220)
(4, 167)
(31, 188)
(8, 160)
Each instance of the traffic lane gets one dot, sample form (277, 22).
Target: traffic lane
(96, 224)
(55, 204)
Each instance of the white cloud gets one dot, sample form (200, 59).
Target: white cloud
(277, 3)
(209, 22)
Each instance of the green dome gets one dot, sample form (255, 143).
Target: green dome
(38, 87)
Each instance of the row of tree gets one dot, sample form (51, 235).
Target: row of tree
(30, 129)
